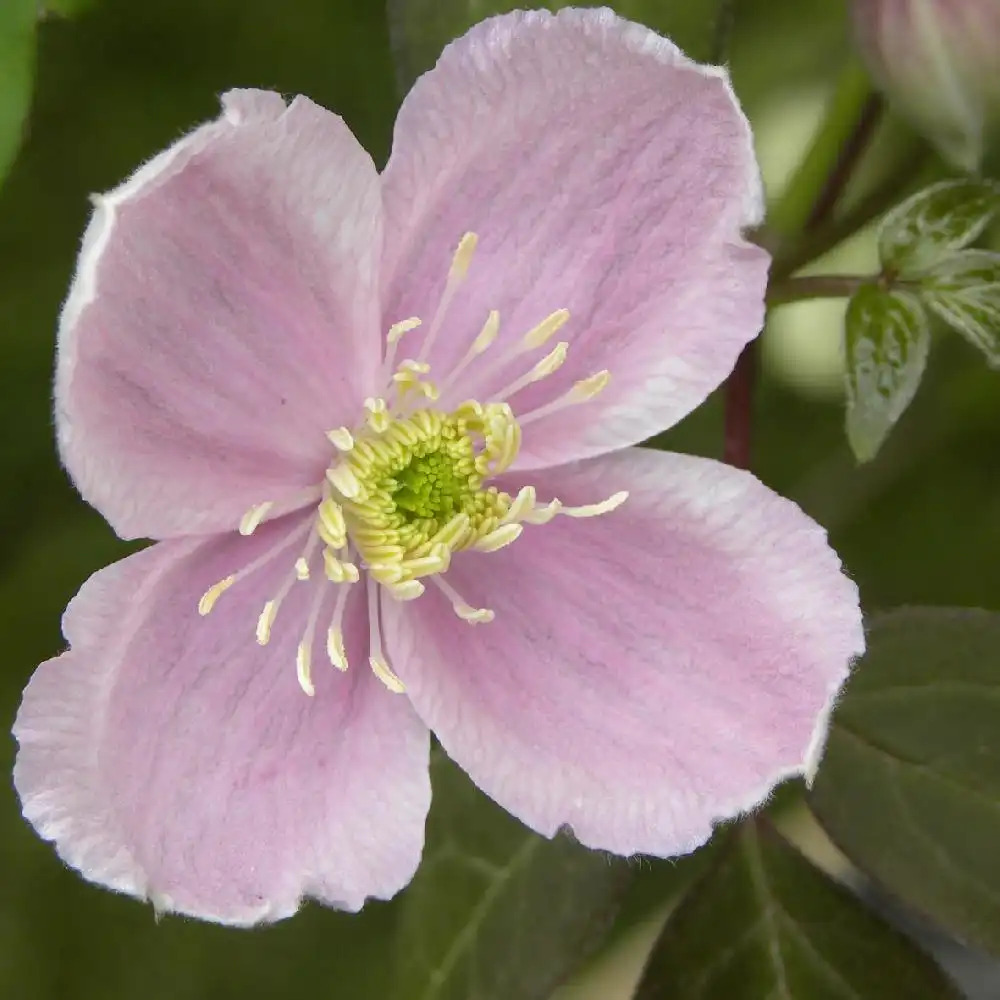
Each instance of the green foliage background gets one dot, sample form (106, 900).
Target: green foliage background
(121, 80)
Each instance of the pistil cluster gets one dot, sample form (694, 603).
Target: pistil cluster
(407, 486)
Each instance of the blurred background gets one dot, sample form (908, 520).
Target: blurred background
(119, 80)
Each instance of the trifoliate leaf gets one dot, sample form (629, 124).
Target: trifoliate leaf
(935, 222)
(964, 291)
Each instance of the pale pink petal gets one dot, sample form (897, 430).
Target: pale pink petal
(171, 757)
(605, 173)
(221, 318)
(649, 672)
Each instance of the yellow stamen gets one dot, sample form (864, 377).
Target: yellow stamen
(265, 621)
(463, 256)
(487, 334)
(335, 648)
(537, 335)
(408, 590)
(341, 438)
(303, 668)
(596, 509)
(378, 414)
(213, 593)
(383, 672)
(343, 479)
(252, 518)
(404, 326)
(589, 387)
(499, 538)
(301, 569)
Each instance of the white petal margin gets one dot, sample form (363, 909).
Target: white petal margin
(223, 315)
(649, 673)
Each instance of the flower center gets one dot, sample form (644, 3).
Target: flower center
(408, 487)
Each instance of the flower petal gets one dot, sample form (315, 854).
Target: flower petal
(171, 757)
(221, 318)
(649, 672)
(604, 173)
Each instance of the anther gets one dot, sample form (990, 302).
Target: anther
(342, 478)
(335, 648)
(265, 621)
(378, 414)
(301, 568)
(520, 505)
(341, 438)
(499, 537)
(537, 335)
(252, 518)
(303, 668)
(397, 330)
(596, 509)
(213, 593)
(384, 673)
(589, 387)
(463, 256)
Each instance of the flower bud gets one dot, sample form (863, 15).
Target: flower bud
(937, 61)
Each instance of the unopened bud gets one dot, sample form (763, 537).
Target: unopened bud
(937, 62)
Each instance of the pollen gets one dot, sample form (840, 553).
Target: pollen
(411, 484)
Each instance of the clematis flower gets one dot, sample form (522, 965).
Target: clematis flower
(381, 428)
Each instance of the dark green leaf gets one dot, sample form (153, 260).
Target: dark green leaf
(17, 72)
(767, 925)
(886, 343)
(65, 8)
(964, 291)
(497, 912)
(936, 222)
(910, 784)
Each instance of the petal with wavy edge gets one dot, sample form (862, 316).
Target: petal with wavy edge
(649, 672)
(170, 757)
(223, 315)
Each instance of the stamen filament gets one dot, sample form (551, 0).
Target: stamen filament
(303, 654)
(581, 392)
(335, 633)
(376, 659)
(480, 345)
(499, 537)
(549, 364)
(214, 592)
(456, 275)
(460, 606)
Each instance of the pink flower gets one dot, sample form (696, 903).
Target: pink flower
(238, 351)
(937, 60)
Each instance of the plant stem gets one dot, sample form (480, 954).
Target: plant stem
(829, 233)
(722, 35)
(850, 123)
(816, 286)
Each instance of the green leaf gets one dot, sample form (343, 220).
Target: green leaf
(964, 291)
(767, 925)
(17, 71)
(496, 911)
(886, 343)
(935, 222)
(65, 8)
(910, 784)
